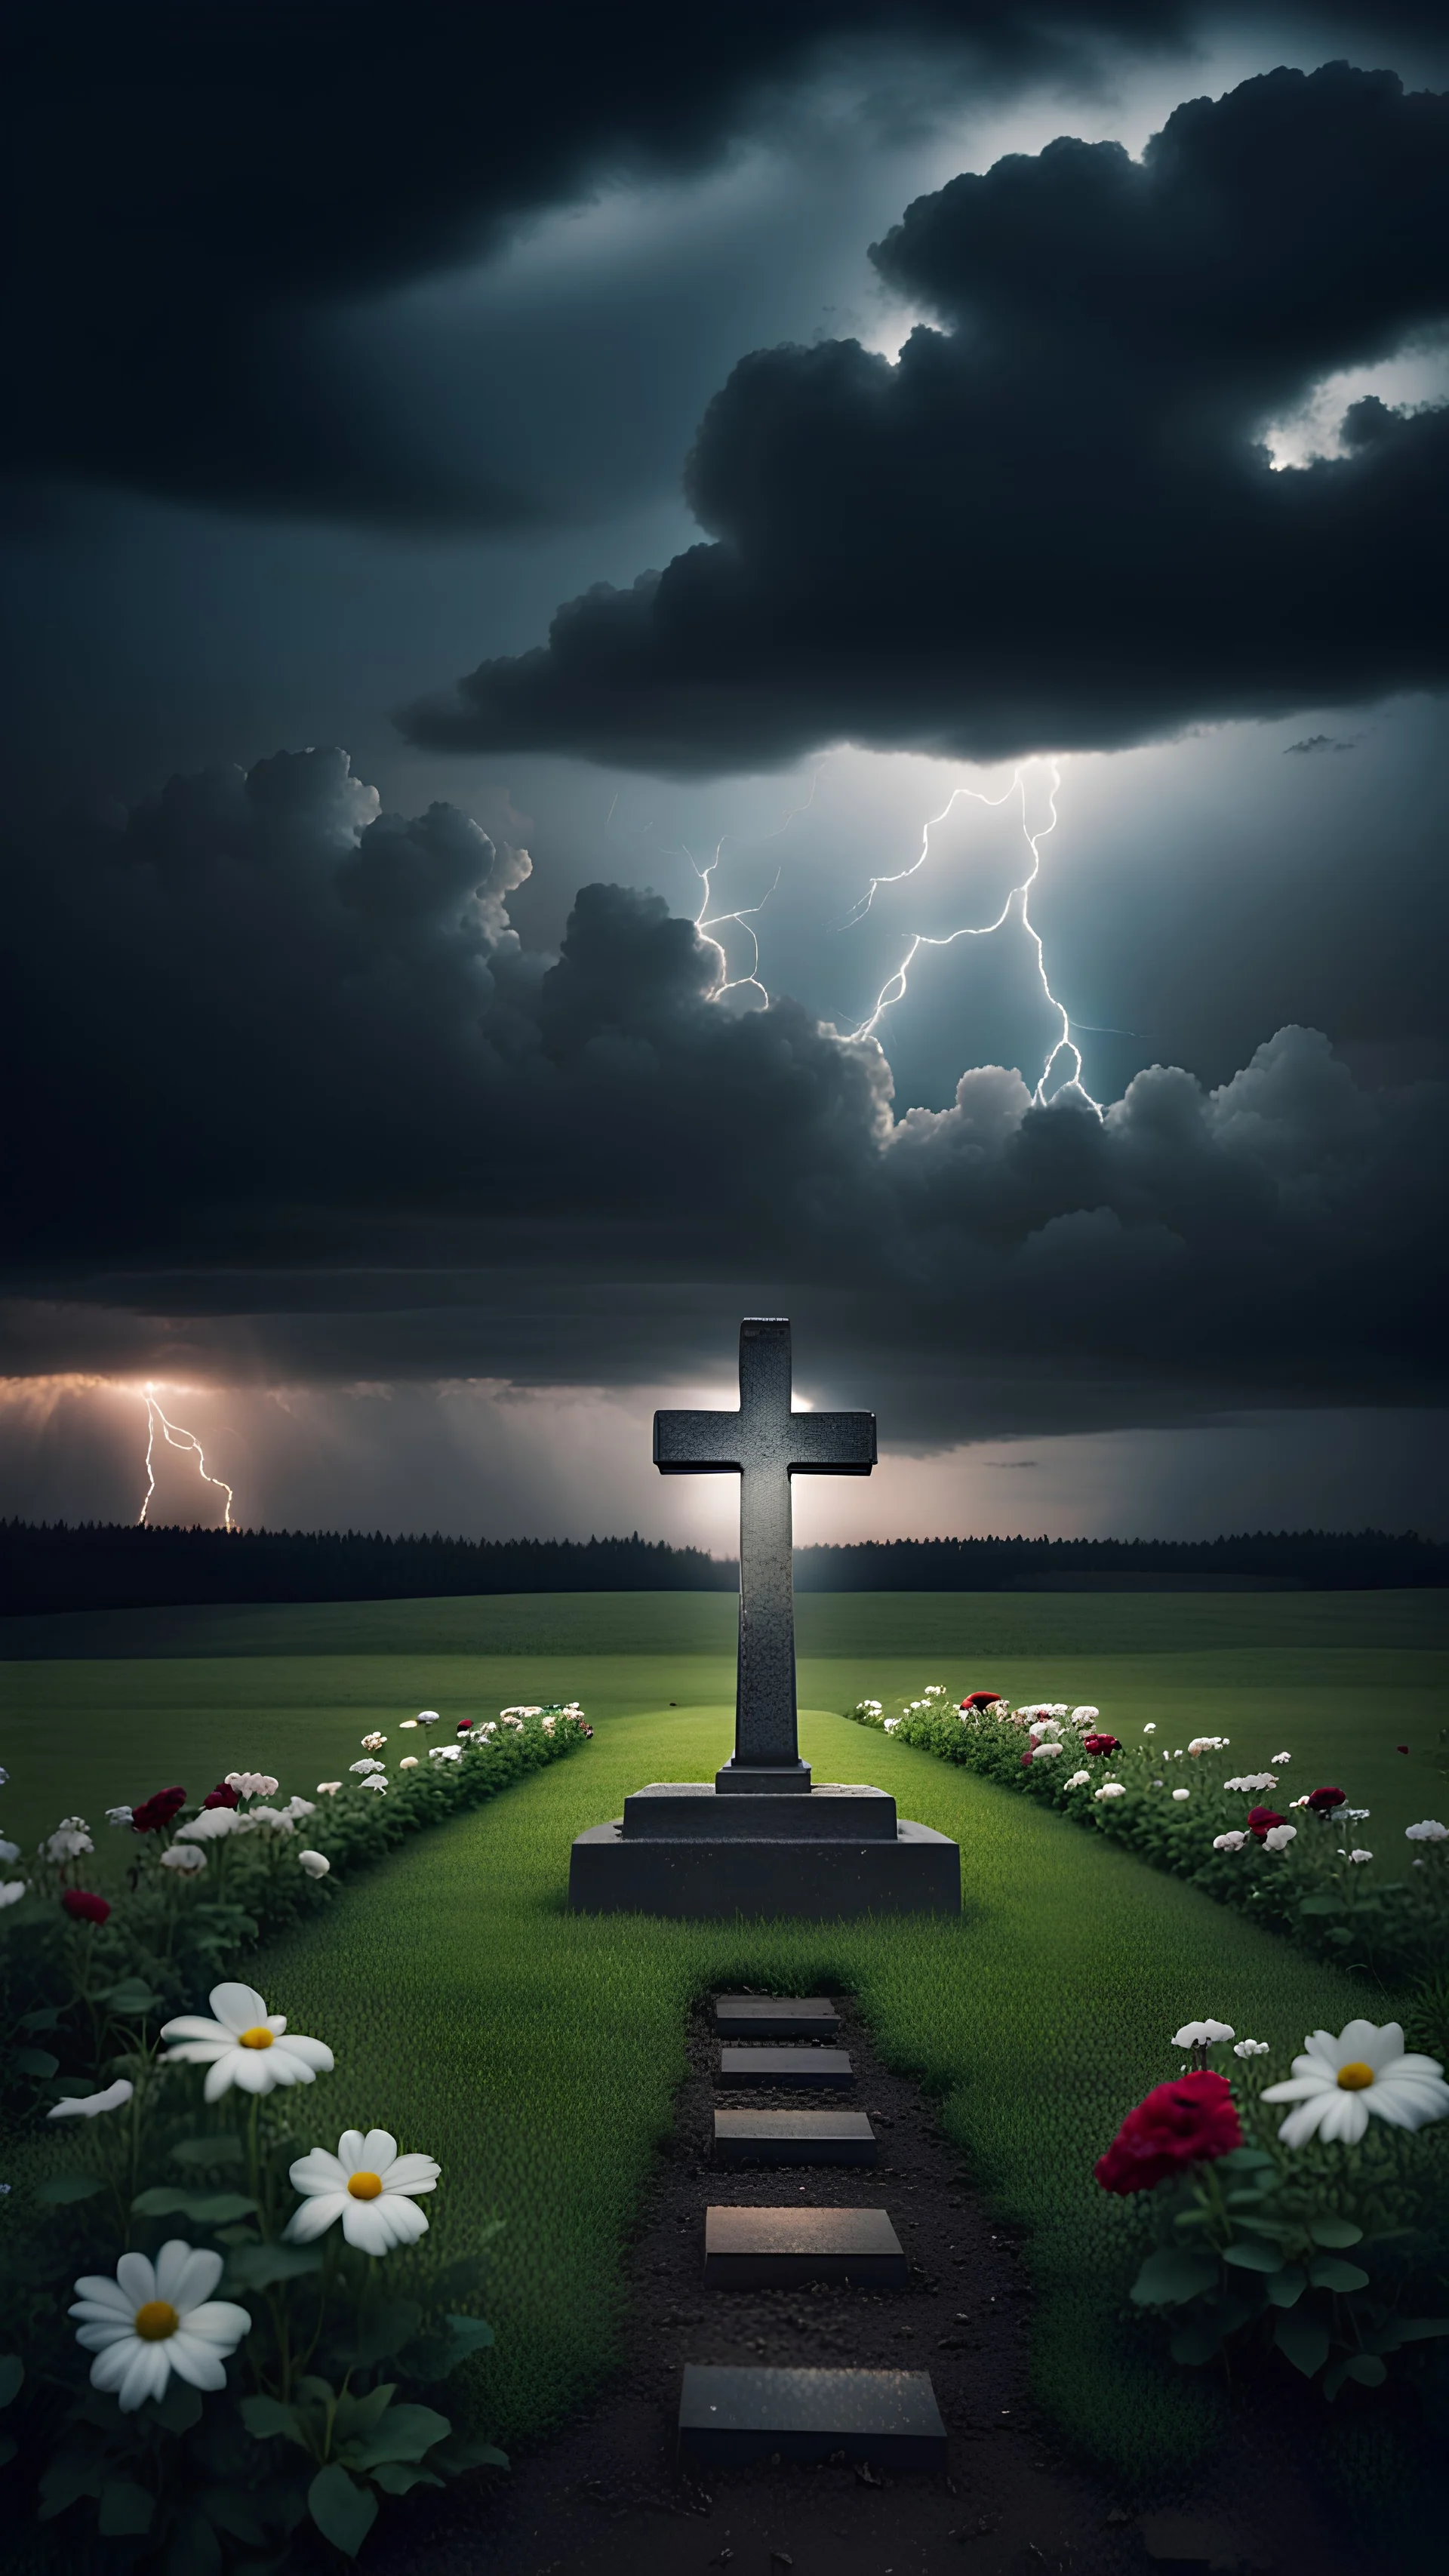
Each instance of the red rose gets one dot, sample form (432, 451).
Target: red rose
(1401, 1748)
(1323, 1801)
(83, 1907)
(1262, 1819)
(1101, 1744)
(1188, 2122)
(223, 1795)
(155, 1813)
(981, 1699)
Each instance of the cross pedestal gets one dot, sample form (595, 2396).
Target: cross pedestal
(763, 1840)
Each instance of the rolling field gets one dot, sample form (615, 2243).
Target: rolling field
(536, 2054)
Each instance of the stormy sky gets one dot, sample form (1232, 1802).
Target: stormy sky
(668, 665)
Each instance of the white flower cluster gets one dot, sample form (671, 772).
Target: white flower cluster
(1202, 2034)
(1079, 1779)
(71, 1838)
(1110, 1789)
(1249, 1781)
(1429, 1831)
(1210, 1744)
(153, 2318)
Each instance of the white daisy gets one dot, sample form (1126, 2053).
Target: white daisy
(211, 1826)
(185, 1859)
(156, 2318)
(1338, 2082)
(369, 2186)
(87, 2105)
(245, 2045)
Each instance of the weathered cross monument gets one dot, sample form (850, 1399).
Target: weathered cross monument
(762, 1839)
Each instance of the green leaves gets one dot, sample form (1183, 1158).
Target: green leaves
(125, 2510)
(259, 2267)
(36, 2062)
(266, 2419)
(12, 2374)
(439, 2354)
(1303, 2339)
(209, 2152)
(60, 2189)
(1334, 2231)
(401, 2433)
(132, 1999)
(1328, 2273)
(1171, 2276)
(343, 2511)
(1250, 2256)
(204, 2209)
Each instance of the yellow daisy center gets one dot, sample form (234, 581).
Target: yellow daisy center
(156, 2320)
(1355, 2075)
(364, 2186)
(257, 2037)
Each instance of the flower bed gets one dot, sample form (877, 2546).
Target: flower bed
(1300, 1866)
(211, 2428)
(1255, 2217)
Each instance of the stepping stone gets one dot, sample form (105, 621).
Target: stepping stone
(794, 2138)
(814, 2066)
(889, 2417)
(776, 2017)
(778, 2249)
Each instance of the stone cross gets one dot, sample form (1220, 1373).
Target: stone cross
(765, 1443)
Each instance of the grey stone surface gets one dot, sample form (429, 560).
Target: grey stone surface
(765, 1443)
(824, 2068)
(794, 2138)
(781, 2249)
(889, 2417)
(918, 1873)
(690, 1810)
(775, 2017)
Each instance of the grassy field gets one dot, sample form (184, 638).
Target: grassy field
(95, 1710)
(536, 2054)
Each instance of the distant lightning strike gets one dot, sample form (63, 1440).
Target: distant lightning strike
(175, 1438)
(1018, 900)
(706, 921)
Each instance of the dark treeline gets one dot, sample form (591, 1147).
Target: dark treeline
(1311, 1560)
(103, 1566)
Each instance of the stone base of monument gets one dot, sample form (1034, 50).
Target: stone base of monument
(685, 1848)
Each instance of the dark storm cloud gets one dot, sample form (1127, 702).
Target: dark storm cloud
(189, 187)
(1050, 525)
(260, 1030)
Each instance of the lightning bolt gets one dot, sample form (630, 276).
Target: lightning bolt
(175, 1438)
(705, 921)
(1017, 906)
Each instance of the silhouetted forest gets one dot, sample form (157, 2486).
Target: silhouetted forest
(105, 1566)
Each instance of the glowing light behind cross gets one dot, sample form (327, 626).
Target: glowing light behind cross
(176, 1437)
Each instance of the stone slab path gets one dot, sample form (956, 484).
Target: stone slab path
(610, 2497)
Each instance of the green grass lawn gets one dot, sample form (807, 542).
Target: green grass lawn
(536, 2054)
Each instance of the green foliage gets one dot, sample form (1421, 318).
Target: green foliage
(1250, 2254)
